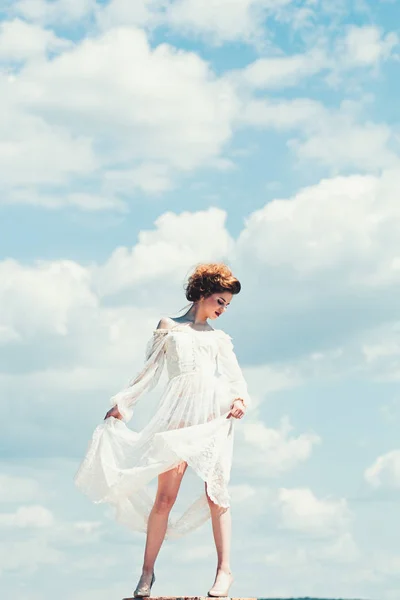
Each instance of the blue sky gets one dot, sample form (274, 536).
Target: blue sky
(137, 140)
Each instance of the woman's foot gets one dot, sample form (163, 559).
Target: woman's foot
(143, 588)
(222, 583)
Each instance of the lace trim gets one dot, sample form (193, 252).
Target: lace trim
(206, 464)
(184, 328)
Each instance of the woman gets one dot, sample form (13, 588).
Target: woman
(193, 425)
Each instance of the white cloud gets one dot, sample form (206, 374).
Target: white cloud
(302, 511)
(360, 47)
(338, 224)
(385, 471)
(34, 152)
(86, 527)
(265, 379)
(282, 114)
(25, 556)
(84, 201)
(242, 492)
(16, 489)
(340, 143)
(139, 116)
(319, 252)
(384, 348)
(341, 549)
(151, 178)
(162, 104)
(281, 71)
(336, 138)
(300, 244)
(143, 13)
(223, 20)
(42, 298)
(34, 516)
(366, 45)
(135, 117)
(20, 41)
(217, 20)
(380, 351)
(54, 11)
(165, 252)
(270, 452)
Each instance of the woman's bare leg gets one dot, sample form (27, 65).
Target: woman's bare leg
(222, 531)
(168, 487)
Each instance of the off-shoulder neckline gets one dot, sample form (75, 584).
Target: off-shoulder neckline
(186, 327)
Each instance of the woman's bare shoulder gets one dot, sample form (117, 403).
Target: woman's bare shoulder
(166, 323)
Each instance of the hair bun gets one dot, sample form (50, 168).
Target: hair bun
(210, 278)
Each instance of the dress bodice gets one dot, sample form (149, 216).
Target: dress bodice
(190, 351)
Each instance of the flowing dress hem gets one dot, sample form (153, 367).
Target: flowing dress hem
(166, 455)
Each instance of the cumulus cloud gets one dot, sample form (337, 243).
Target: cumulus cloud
(158, 104)
(269, 452)
(20, 41)
(342, 144)
(113, 114)
(314, 248)
(302, 511)
(34, 152)
(41, 298)
(34, 516)
(166, 251)
(217, 21)
(281, 71)
(223, 20)
(54, 11)
(366, 46)
(299, 245)
(339, 139)
(385, 471)
(114, 111)
(17, 489)
(143, 13)
(27, 555)
(359, 47)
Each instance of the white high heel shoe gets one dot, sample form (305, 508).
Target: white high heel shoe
(221, 589)
(143, 591)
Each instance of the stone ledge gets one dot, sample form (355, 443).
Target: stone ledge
(231, 598)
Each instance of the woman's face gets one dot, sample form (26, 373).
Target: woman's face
(216, 304)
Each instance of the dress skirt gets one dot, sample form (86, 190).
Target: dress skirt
(189, 425)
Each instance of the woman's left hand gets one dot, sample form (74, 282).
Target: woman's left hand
(237, 409)
(113, 412)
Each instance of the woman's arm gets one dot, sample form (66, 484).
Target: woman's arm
(229, 368)
(145, 380)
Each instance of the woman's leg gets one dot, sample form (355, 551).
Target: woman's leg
(221, 525)
(168, 487)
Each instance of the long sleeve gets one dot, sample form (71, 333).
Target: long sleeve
(146, 379)
(228, 366)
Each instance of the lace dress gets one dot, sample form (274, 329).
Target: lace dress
(190, 424)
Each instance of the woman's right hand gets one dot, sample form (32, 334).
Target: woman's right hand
(113, 412)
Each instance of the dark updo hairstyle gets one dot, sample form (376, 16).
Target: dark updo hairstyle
(211, 278)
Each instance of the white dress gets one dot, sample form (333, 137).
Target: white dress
(190, 424)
